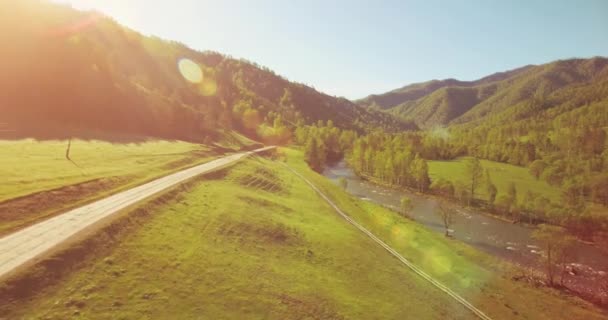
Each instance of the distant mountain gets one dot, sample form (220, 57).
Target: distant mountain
(416, 91)
(447, 102)
(64, 71)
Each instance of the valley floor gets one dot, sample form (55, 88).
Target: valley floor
(256, 242)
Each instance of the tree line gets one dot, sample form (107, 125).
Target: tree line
(400, 160)
(105, 78)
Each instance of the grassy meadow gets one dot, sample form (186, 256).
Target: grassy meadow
(37, 179)
(256, 242)
(502, 175)
(482, 279)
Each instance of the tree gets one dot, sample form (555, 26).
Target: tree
(541, 205)
(461, 192)
(406, 206)
(490, 188)
(286, 100)
(446, 215)
(504, 203)
(474, 172)
(312, 154)
(599, 187)
(251, 119)
(512, 200)
(556, 243)
(343, 182)
(421, 173)
(512, 192)
(492, 192)
(572, 193)
(537, 167)
(528, 204)
(553, 174)
(443, 187)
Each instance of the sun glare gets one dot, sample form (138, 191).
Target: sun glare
(190, 70)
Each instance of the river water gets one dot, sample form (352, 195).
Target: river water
(492, 235)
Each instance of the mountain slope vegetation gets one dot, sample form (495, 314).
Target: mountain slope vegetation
(416, 91)
(68, 71)
(551, 119)
(511, 95)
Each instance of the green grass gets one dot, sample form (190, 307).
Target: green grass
(258, 243)
(98, 168)
(235, 140)
(29, 166)
(502, 175)
(484, 280)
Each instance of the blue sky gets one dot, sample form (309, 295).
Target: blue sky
(355, 48)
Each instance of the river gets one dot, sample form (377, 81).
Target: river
(497, 237)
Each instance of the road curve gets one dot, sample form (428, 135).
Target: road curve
(32, 242)
(480, 314)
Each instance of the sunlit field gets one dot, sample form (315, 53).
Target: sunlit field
(502, 175)
(257, 242)
(29, 166)
(237, 160)
(38, 173)
(484, 280)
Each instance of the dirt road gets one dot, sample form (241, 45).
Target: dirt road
(32, 242)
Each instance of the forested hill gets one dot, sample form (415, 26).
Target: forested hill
(523, 93)
(416, 91)
(65, 71)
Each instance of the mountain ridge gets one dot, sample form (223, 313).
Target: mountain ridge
(74, 70)
(446, 102)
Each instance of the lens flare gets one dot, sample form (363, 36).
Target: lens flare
(190, 70)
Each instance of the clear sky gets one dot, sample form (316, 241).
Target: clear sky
(355, 48)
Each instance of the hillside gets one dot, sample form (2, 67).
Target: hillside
(206, 254)
(413, 92)
(511, 96)
(550, 119)
(68, 71)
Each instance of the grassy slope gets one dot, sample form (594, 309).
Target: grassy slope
(33, 166)
(259, 244)
(483, 280)
(502, 175)
(29, 166)
(256, 244)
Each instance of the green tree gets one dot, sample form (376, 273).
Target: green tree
(421, 173)
(541, 206)
(512, 192)
(490, 188)
(492, 192)
(599, 187)
(537, 167)
(512, 199)
(474, 171)
(556, 243)
(406, 206)
(312, 155)
(572, 193)
(443, 187)
(446, 215)
(504, 203)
